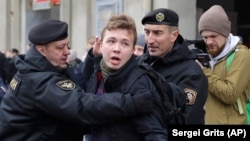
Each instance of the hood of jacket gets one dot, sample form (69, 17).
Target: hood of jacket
(230, 46)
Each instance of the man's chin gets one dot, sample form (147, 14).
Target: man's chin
(214, 54)
(153, 53)
(63, 66)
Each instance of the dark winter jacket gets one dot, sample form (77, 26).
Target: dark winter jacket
(150, 127)
(43, 104)
(179, 67)
(3, 75)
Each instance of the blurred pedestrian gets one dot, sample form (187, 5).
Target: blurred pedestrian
(73, 60)
(3, 85)
(10, 67)
(140, 44)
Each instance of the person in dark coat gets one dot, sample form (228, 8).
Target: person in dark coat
(43, 102)
(111, 74)
(140, 44)
(3, 75)
(169, 55)
(10, 66)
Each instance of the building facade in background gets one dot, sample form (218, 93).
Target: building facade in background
(87, 17)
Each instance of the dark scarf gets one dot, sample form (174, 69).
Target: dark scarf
(105, 70)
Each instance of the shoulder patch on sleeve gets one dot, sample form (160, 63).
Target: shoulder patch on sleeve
(191, 96)
(66, 85)
(15, 84)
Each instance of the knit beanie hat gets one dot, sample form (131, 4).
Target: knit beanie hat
(215, 19)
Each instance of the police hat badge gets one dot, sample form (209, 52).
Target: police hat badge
(159, 17)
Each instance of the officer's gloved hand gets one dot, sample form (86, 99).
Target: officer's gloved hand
(143, 101)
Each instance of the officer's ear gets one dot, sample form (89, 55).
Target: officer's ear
(41, 49)
(174, 35)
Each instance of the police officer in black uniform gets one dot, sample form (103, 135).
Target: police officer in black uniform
(168, 54)
(43, 102)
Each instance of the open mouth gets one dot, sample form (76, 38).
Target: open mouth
(115, 60)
